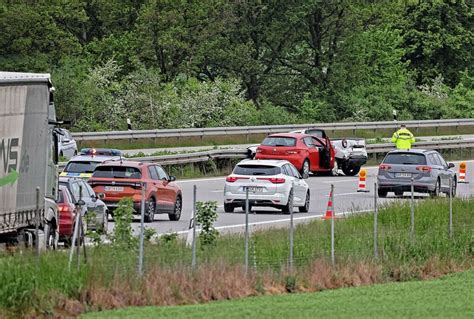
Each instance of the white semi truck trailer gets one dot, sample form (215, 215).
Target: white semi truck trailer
(28, 159)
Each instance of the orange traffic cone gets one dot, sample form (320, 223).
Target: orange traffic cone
(362, 185)
(329, 209)
(462, 173)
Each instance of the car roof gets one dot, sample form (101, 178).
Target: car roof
(68, 179)
(293, 135)
(125, 163)
(93, 158)
(413, 150)
(263, 162)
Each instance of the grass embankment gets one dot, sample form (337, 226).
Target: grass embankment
(109, 279)
(448, 297)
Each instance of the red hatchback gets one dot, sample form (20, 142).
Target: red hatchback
(119, 179)
(306, 152)
(67, 214)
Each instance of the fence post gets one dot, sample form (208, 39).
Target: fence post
(450, 207)
(142, 231)
(246, 229)
(332, 225)
(193, 245)
(79, 231)
(291, 227)
(37, 222)
(376, 253)
(412, 209)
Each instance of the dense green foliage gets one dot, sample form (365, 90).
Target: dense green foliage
(168, 64)
(447, 297)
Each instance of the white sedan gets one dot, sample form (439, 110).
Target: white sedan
(67, 145)
(271, 183)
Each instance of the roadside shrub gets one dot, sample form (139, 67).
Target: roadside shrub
(206, 216)
(122, 236)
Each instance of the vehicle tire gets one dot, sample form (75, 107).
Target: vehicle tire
(289, 205)
(335, 169)
(229, 208)
(382, 193)
(398, 193)
(437, 189)
(178, 206)
(51, 236)
(351, 171)
(150, 210)
(305, 208)
(453, 190)
(305, 169)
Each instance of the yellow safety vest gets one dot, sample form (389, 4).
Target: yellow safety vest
(403, 139)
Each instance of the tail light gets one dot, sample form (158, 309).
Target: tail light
(424, 168)
(231, 179)
(291, 152)
(384, 167)
(258, 150)
(62, 208)
(273, 180)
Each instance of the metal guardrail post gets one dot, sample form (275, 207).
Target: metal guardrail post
(376, 252)
(142, 231)
(450, 208)
(193, 261)
(333, 259)
(246, 229)
(37, 222)
(291, 228)
(412, 209)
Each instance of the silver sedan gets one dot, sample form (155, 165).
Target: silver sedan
(270, 183)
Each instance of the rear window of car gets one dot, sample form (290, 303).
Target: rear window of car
(405, 159)
(117, 172)
(81, 167)
(279, 141)
(256, 170)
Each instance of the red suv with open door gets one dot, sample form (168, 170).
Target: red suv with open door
(306, 152)
(119, 179)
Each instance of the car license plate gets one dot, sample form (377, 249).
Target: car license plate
(113, 188)
(254, 189)
(405, 175)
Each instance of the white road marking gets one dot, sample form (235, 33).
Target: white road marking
(201, 179)
(280, 220)
(340, 181)
(218, 191)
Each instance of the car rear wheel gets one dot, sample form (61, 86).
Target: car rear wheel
(51, 236)
(351, 171)
(305, 169)
(177, 210)
(382, 192)
(150, 210)
(288, 208)
(437, 189)
(305, 208)
(229, 208)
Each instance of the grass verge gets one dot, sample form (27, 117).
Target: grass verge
(448, 297)
(109, 278)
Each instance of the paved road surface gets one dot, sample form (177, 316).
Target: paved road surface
(346, 200)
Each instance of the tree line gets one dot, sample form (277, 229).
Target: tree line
(198, 63)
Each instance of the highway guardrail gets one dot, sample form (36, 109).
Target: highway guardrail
(268, 129)
(204, 156)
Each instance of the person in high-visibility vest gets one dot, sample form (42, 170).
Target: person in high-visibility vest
(403, 138)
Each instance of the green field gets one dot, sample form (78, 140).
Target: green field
(449, 297)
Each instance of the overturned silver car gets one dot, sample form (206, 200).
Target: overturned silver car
(351, 154)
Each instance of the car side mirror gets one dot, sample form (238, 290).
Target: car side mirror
(80, 202)
(101, 196)
(172, 178)
(451, 165)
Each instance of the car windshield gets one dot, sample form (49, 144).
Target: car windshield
(117, 172)
(81, 167)
(405, 159)
(256, 170)
(279, 141)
